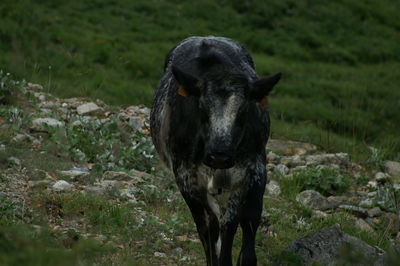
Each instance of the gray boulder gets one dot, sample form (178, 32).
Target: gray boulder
(314, 200)
(332, 246)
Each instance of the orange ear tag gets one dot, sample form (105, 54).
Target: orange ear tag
(182, 91)
(264, 102)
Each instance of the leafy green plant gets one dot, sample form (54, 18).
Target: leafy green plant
(326, 180)
(106, 145)
(388, 198)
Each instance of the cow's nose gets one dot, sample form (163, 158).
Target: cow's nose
(219, 160)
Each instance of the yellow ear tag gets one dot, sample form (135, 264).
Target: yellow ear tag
(264, 102)
(182, 91)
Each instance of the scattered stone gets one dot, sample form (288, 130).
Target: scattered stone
(372, 184)
(62, 185)
(20, 138)
(39, 183)
(88, 109)
(366, 203)
(34, 87)
(139, 174)
(160, 254)
(281, 169)
(318, 214)
(358, 211)
(290, 147)
(75, 173)
(363, 225)
(14, 161)
(41, 124)
(136, 123)
(392, 168)
(104, 186)
(328, 158)
(381, 177)
(313, 199)
(76, 123)
(374, 212)
(2, 148)
(272, 157)
(122, 176)
(335, 201)
(273, 188)
(332, 246)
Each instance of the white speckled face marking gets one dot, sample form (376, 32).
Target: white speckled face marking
(224, 115)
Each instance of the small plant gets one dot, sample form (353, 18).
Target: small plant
(388, 198)
(376, 159)
(8, 86)
(106, 145)
(326, 180)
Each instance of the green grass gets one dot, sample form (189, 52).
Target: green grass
(340, 59)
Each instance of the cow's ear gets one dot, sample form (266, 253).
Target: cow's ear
(262, 87)
(188, 84)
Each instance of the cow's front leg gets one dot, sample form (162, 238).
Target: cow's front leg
(249, 217)
(225, 242)
(207, 227)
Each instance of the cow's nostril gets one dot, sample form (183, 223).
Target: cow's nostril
(219, 160)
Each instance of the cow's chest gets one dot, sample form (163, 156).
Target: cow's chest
(222, 188)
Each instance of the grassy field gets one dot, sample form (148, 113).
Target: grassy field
(340, 59)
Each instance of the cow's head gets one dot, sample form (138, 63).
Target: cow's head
(224, 98)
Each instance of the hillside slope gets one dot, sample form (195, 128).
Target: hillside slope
(341, 59)
(80, 184)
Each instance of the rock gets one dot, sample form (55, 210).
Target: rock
(75, 173)
(103, 187)
(372, 184)
(290, 147)
(273, 158)
(76, 123)
(281, 169)
(14, 161)
(62, 185)
(363, 225)
(34, 87)
(273, 188)
(381, 177)
(366, 203)
(318, 214)
(160, 254)
(88, 109)
(313, 199)
(392, 168)
(139, 174)
(328, 158)
(332, 246)
(358, 211)
(374, 212)
(122, 176)
(136, 123)
(335, 201)
(41, 124)
(20, 138)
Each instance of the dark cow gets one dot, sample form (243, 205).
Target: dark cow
(210, 125)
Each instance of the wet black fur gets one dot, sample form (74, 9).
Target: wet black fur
(213, 59)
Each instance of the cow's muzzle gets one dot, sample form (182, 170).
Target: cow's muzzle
(219, 160)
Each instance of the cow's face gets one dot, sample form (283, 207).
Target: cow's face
(224, 100)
